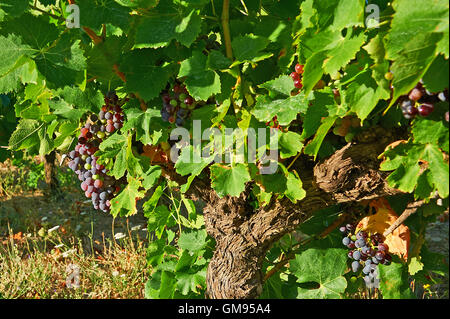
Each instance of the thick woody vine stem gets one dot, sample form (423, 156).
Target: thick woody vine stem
(243, 236)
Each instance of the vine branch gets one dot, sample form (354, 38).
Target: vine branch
(411, 208)
(278, 266)
(226, 28)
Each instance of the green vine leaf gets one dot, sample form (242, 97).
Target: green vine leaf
(324, 267)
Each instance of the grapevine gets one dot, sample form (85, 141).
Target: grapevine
(245, 132)
(95, 181)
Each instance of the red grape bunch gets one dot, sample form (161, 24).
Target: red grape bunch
(297, 77)
(421, 102)
(366, 250)
(177, 105)
(95, 182)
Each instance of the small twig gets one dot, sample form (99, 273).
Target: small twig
(48, 13)
(293, 161)
(411, 208)
(94, 37)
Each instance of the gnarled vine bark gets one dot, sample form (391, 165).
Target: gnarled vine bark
(243, 239)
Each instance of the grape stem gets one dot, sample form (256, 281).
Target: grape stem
(226, 28)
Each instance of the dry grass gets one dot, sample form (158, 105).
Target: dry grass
(41, 268)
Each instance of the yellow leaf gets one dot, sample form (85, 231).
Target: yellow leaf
(398, 240)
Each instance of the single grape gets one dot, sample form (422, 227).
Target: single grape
(360, 243)
(356, 255)
(441, 96)
(383, 247)
(349, 227)
(299, 68)
(425, 109)
(98, 183)
(389, 76)
(110, 128)
(93, 118)
(166, 98)
(412, 111)
(405, 105)
(366, 270)
(380, 256)
(356, 266)
(368, 262)
(295, 76)
(101, 115)
(343, 229)
(387, 259)
(94, 129)
(346, 241)
(447, 116)
(189, 100)
(103, 195)
(108, 116)
(179, 121)
(415, 94)
(82, 140)
(87, 174)
(298, 84)
(84, 131)
(89, 181)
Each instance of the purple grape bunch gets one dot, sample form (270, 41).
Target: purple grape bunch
(366, 251)
(95, 181)
(177, 105)
(421, 102)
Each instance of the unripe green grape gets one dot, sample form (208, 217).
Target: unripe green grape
(100, 134)
(389, 76)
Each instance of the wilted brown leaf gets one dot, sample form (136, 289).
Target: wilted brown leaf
(398, 240)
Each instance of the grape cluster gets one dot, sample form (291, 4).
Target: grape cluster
(367, 251)
(97, 185)
(177, 105)
(297, 77)
(421, 102)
